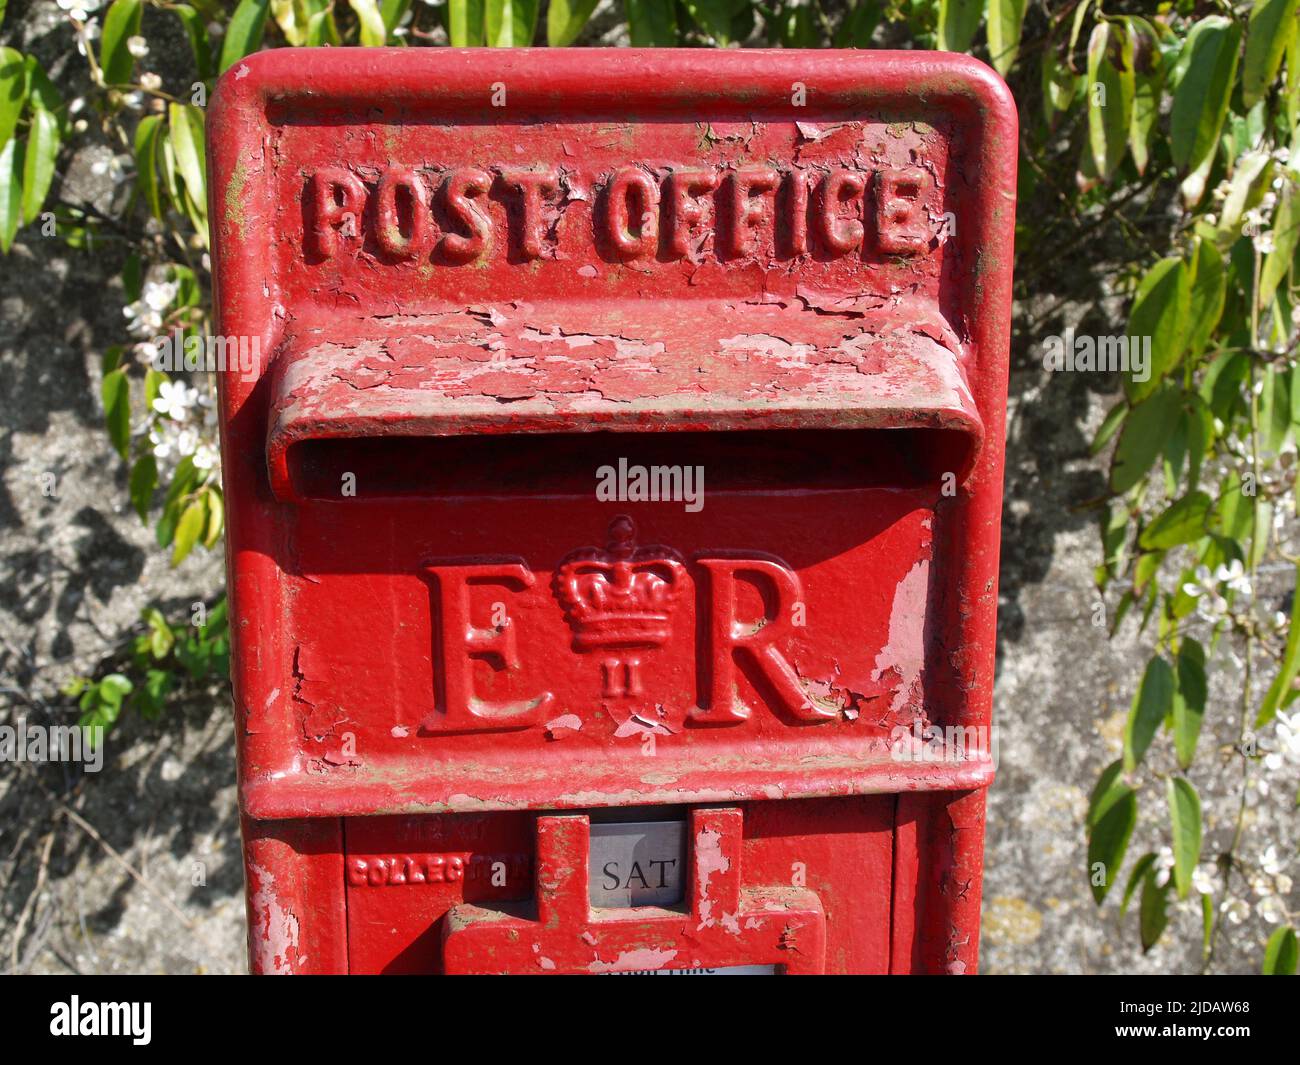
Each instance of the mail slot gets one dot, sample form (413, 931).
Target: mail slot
(613, 519)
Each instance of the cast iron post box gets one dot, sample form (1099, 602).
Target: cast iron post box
(613, 519)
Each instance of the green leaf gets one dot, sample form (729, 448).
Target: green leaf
(373, 31)
(11, 191)
(1189, 700)
(1148, 566)
(185, 132)
(959, 20)
(1153, 911)
(1114, 538)
(1109, 94)
(116, 393)
(1005, 20)
(1280, 954)
(1112, 813)
(510, 23)
(1252, 172)
(1160, 312)
(565, 20)
(146, 149)
(114, 688)
(217, 619)
(244, 33)
(1109, 427)
(1143, 437)
(38, 162)
(713, 17)
(1181, 523)
(40, 90)
(1135, 879)
(153, 382)
(197, 31)
(1286, 237)
(855, 30)
(322, 29)
(1148, 81)
(1274, 408)
(393, 12)
(1221, 387)
(161, 637)
(1056, 82)
(1234, 512)
(1206, 69)
(651, 23)
(465, 23)
(188, 529)
(1200, 435)
(13, 91)
(1291, 92)
(1277, 692)
(1209, 286)
(1152, 703)
(144, 478)
(1207, 924)
(1271, 27)
(120, 24)
(150, 698)
(216, 515)
(132, 283)
(1185, 820)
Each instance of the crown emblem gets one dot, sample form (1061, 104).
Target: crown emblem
(621, 595)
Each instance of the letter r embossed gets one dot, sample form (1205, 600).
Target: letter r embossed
(732, 640)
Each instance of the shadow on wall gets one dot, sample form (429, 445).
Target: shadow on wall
(1050, 477)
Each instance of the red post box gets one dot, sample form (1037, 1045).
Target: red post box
(613, 518)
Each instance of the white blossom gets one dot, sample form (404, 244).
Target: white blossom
(88, 33)
(205, 457)
(1236, 910)
(175, 400)
(1234, 576)
(113, 167)
(156, 295)
(1271, 909)
(79, 9)
(1284, 745)
(1164, 866)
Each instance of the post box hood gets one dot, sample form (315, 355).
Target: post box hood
(810, 361)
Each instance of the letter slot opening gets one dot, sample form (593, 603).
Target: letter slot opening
(658, 467)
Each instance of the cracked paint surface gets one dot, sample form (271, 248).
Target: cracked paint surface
(275, 927)
(896, 365)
